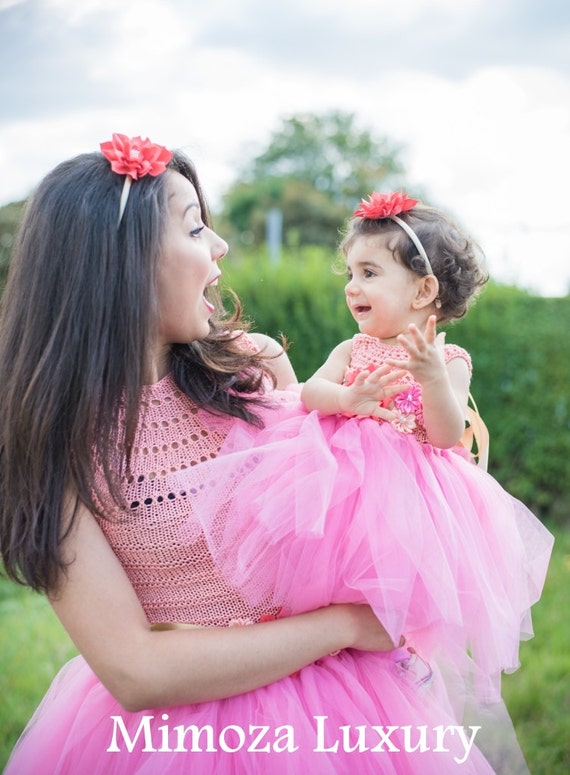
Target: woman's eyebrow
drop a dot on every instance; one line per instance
(189, 207)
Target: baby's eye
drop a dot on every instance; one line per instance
(368, 273)
(348, 274)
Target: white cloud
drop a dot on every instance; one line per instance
(392, 15)
(495, 149)
(489, 142)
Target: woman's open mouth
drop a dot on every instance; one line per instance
(208, 304)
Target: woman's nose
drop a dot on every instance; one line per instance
(219, 248)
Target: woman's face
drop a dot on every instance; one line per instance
(187, 266)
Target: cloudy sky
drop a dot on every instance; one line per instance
(477, 92)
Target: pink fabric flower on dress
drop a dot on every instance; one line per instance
(384, 205)
(135, 157)
(408, 401)
(405, 423)
(244, 622)
(269, 617)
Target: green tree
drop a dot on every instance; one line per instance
(10, 217)
(315, 169)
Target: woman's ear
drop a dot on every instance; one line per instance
(427, 291)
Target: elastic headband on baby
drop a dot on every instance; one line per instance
(134, 158)
(379, 206)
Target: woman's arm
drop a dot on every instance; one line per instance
(142, 668)
(279, 362)
(325, 392)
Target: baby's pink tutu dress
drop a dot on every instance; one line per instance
(314, 510)
(310, 511)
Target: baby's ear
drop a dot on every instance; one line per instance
(428, 289)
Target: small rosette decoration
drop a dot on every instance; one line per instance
(384, 205)
(405, 423)
(409, 400)
(135, 157)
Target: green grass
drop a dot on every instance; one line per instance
(538, 694)
(33, 645)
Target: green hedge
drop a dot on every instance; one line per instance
(517, 342)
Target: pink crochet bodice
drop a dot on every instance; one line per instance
(174, 577)
(369, 352)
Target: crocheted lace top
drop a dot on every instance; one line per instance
(174, 578)
(368, 352)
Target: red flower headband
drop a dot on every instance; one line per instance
(134, 158)
(384, 205)
(379, 206)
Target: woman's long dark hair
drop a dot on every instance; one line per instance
(77, 326)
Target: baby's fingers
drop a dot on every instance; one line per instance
(401, 367)
(385, 376)
(392, 390)
(413, 341)
(381, 413)
(430, 329)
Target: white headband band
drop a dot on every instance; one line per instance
(415, 239)
(124, 196)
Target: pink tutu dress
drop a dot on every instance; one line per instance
(314, 510)
(391, 713)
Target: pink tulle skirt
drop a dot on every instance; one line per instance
(312, 511)
(351, 713)
(315, 510)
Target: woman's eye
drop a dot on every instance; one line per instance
(195, 232)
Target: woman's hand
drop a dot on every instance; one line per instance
(368, 633)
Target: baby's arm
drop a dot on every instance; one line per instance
(325, 392)
(98, 607)
(445, 387)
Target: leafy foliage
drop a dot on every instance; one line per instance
(315, 169)
(521, 378)
(10, 217)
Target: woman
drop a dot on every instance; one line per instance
(117, 374)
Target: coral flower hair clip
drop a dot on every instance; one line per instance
(134, 158)
(384, 205)
(391, 205)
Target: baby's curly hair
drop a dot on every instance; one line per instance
(456, 259)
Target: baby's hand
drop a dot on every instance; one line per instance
(369, 388)
(427, 361)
